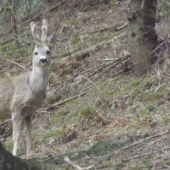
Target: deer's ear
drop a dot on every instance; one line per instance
(34, 31)
(51, 39)
(44, 29)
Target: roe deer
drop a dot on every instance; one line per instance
(22, 95)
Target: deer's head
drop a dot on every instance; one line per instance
(41, 55)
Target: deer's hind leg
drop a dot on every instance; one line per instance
(28, 127)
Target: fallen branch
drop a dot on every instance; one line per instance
(165, 3)
(92, 83)
(144, 140)
(106, 59)
(121, 27)
(5, 129)
(17, 64)
(160, 161)
(113, 27)
(86, 52)
(158, 47)
(72, 163)
(137, 156)
(116, 62)
(12, 39)
(93, 80)
(52, 8)
(67, 100)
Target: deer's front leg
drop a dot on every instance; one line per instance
(28, 127)
(16, 122)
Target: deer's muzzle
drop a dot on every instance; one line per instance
(43, 61)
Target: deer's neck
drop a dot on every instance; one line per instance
(38, 79)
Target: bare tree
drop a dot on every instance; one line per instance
(10, 162)
(141, 33)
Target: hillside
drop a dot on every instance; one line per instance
(97, 114)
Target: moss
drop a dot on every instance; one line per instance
(4, 48)
(76, 40)
(146, 112)
(59, 118)
(150, 108)
(52, 133)
(86, 111)
(107, 164)
(145, 134)
(3, 75)
(8, 145)
(123, 130)
(73, 103)
(139, 86)
(147, 164)
(115, 79)
(52, 99)
(52, 80)
(112, 4)
(160, 109)
(124, 90)
(75, 113)
(119, 165)
(108, 91)
(93, 90)
(136, 167)
(154, 124)
(54, 66)
(151, 96)
(137, 82)
(134, 94)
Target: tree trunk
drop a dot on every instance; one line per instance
(141, 34)
(10, 162)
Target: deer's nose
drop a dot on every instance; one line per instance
(43, 60)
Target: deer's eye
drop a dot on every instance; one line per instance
(48, 52)
(36, 53)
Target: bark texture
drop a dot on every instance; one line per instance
(10, 162)
(141, 33)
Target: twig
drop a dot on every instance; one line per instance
(116, 62)
(106, 59)
(17, 64)
(158, 47)
(92, 83)
(121, 27)
(165, 3)
(143, 3)
(159, 87)
(103, 29)
(12, 39)
(137, 156)
(29, 20)
(159, 161)
(149, 138)
(86, 51)
(67, 100)
(72, 163)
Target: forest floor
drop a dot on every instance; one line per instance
(98, 114)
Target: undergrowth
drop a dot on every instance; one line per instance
(106, 105)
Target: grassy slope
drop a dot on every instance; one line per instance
(121, 107)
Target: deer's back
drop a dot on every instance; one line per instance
(6, 93)
(17, 95)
